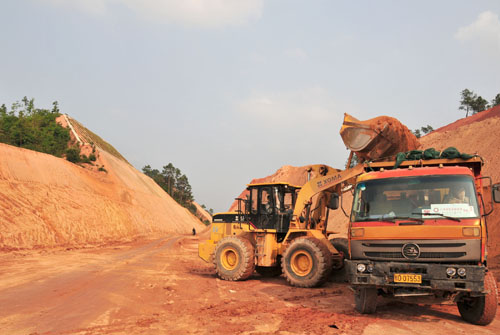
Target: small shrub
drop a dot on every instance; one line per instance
(73, 155)
(92, 157)
(85, 159)
(102, 169)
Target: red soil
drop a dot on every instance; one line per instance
(47, 201)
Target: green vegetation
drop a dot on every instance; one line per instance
(174, 183)
(423, 130)
(470, 101)
(33, 128)
(73, 155)
(210, 211)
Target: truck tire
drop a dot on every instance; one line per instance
(234, 258)
(307, 262)
(365, 299)
(481, 310)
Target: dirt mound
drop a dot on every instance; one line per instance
(47, 201)
(492, 112)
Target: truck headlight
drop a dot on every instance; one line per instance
(461, 272)
(361, 268)
(451, 272)
(369, 268)
(357, 232)
(470, 231)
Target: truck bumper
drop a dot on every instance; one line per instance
(433, 276)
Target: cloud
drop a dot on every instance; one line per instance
(311, 108)
(202, 13)
(95, 7)
(296, 54)
(485, 31)
(208, 13)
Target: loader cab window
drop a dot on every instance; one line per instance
(288, 201)
(423, 197)
(254, 196)
(266, 201)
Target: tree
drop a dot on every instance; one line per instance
(496, 101)
(479, 105)
(468, 98)
(33, 128)
(472, 102)
(423, 130)
(172, 181)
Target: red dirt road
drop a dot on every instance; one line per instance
(162, 287)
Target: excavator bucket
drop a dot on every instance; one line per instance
(376, 138)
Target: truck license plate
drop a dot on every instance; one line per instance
(407, 278)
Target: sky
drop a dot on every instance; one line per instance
(231, 90)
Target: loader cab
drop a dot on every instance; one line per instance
(271, 205)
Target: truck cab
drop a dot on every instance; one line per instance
(419, 233)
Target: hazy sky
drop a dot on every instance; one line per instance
(230, 90)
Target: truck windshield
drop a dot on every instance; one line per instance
(423, 197)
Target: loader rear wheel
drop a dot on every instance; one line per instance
(307, 262)
(234, 258)
(481, 310)
(365, 299)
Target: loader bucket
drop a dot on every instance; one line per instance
(376, 138)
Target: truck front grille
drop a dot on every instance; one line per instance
(437, 250)
(399, 255)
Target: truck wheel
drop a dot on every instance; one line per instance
(307, 262)
(234, 258)
(481, 310)
(365, 299)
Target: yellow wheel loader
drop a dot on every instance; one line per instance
(282, 229)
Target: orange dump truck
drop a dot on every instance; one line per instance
(419, 233)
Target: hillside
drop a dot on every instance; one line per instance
(47, 201)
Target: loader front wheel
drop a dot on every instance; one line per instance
(234, 258)
(481, 310)
(306, 262)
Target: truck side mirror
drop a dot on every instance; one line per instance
(334, 201)
(496, 192)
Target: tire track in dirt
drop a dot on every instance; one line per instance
(71, 298)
